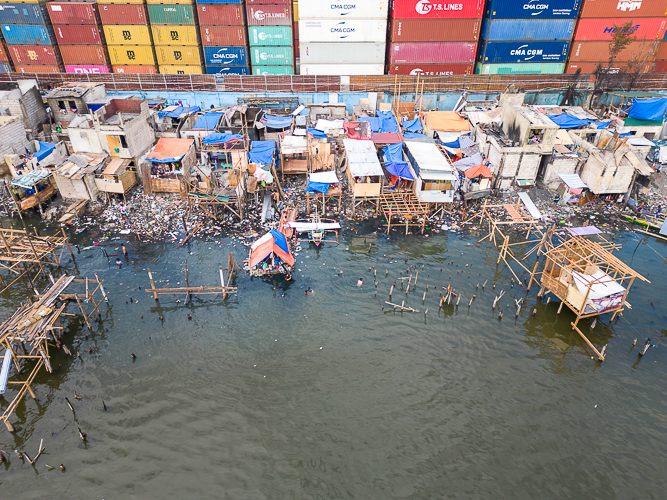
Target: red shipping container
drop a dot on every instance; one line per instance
(437, 9)
(269, 2)
(269, 15)
(660, 67)
(3, 53)
(662, 52)
(83, 54)
(624, 8)
(33, 54)
(220, 15)
(295, 31)
(434, 30)
(37, 69)
(432, 52)
(123, 14)
(72, 12)
(223, 35)
(589, 68)
(77, 35)
(593, 30)
(135, 69)
(599, 51)
(431, 69)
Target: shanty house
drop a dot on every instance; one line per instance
(364, 171)
(436, 181)
(70, 100)
(75, 177)
(168, 164)
(202, 126)
(117, 177)
(26, 102)
(170, 121)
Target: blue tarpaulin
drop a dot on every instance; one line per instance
(413, 135)
(262, 152)
(279, 238)
(319, 187)
(413, 125)
(176, 113)
(400, 170)
(648, 109)
(276, 121)
(207, 121)
(221, 138)
(45, 149)
(393, 153)
(600, 125)
(454, 144)
(375, 123)
(566, 121)
(388, 122)
(318, 134)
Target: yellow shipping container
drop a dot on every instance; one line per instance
(181, 55)
(181, 70)
(127, 34)
(139, 55)
(171, 2)
(174, 34)
(295, 9)
(121, 1)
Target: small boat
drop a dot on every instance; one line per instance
(273, 253)
(649, 221)
(316, 229)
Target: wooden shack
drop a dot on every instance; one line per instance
(169, 164)
(294, 155)
(117, 177)
(364, 171)
(75, 177)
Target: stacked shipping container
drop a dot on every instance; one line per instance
(129, 41)
(434, 37)
(600, 18)
(223, 37)
(79, 33)
(30, 39)
(270, 36)
(5, 67)
(525, 36)
(175, 36)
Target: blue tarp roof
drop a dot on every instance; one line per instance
(648, 109)
(384, 122)
(176, 113)
(276, 121)
(400, 170)
(221, 138)
(262, 152)
(454, 144)
(45, 149)
(393, 153)
(28, 180)
(413, 135)
(413, 125)
(318, 134)
(207, 121)
(566, 121)
(375, 122)
(319, 187)
(279, 239)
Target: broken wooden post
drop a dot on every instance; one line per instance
(150, 275)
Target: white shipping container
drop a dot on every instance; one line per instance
(342, 69)
(341, 9)
(350, 30)
(342, 53)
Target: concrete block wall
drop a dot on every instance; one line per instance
(14, 139)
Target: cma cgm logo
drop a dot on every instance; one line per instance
(631, 29)
(419, 71)
(344, 9)
(541, 7)
(342, 28)
(625, 6)
(425, 7)
(522, 51)
(227, 57)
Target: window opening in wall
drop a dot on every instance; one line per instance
(123, 142)
(72, 106)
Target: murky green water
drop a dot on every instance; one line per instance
(277, 394)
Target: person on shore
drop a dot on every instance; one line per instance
(125, 252)
(119, 263)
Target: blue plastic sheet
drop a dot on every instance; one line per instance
(318, 187)
(207, 121)
(470, 161)
(600, 125)
(375, 122)
(566, 121)
(400, 170)
(648, 109)
(393, 153)
(318, 134)
(45, 149)
(262, 152)
(413, 135)
(453, 145)
(413, 125)
(221, 138)
(276, 121)
(388, 122)
(179, 111)
(280, 240)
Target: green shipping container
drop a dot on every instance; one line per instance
(273, 36)
(520, 69)
(272, 56)
(171, 14)
(272, 70)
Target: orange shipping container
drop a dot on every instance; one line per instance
(588, 68)
(662, 52)
(660, 67)
(135, 69)
(37, 69)
(83, 54)
(3, 54)
(41, 55)
(599, 51)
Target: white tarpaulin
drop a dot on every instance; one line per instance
(327, 125)
(530, 205)
(313, 226)
(573, 181)
(640, 141)
(362, 158)
(663, 154)
(290, 145)
(324, 177)
(602, 284)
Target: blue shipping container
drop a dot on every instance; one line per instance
(5, 68)
(227, 70)
(523, 51)
(225, 56)
(22, 34)
(508, 30)
(23, 13)
(533, 9)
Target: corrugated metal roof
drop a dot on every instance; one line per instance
(362, 158)
(428, 156)
(116, 166)
(573, 181)
(76, 166)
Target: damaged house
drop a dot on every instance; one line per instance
(75, 177)
(72, 99)
(26, 102)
